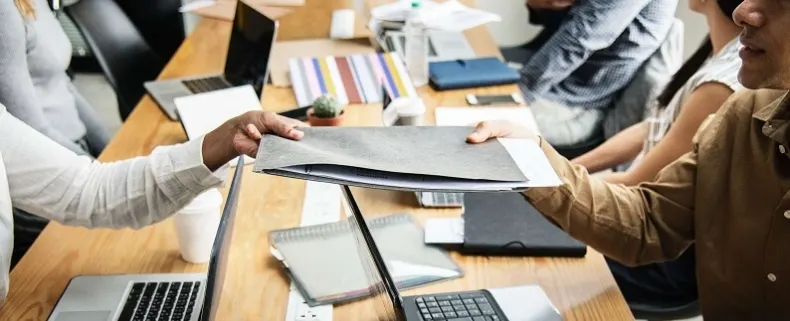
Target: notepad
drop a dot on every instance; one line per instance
(325, 265)
(201, 113)
(354, 79)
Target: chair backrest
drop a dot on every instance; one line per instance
(159, 21)
(125, 57)
(647, 84)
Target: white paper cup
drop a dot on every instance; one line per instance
(196, 226)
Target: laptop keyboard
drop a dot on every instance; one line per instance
(202, 85)
(431, 199)
(160, 301)
(472, 306)
(448, 198)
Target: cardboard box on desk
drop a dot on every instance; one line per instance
(318, 13)
(226, 9)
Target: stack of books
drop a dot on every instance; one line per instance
(355, 79)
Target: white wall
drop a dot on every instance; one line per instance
(514, 29)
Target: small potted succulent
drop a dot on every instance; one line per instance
(326, 111)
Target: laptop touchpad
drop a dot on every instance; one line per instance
(84, 316)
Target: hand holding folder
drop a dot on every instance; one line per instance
(411, 158)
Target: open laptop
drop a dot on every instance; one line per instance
(426, 199)
(525, 303)
(167, 297)
(251, 41)
(442, 45)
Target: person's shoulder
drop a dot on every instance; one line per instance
(723, 68)
(11, 20)
(735, 115)
(748, 102)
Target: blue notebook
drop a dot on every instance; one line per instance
(469, 73)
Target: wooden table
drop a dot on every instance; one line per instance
(256, 288)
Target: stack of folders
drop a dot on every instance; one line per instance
(354, 79)
(325, 265)
(408, 158)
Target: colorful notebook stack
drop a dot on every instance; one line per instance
(355, 79)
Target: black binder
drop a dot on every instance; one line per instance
(506, 224)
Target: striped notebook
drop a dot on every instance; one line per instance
(355, 79)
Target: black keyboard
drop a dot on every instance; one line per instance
(160, 301)
(471, 306)
(202, 85)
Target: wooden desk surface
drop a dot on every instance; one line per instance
(255, 288)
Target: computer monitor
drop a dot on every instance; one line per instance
(251, 41)
(218, 263)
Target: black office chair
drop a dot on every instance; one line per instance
(668, 313)
(581, 148)
(159, 21)
(125, 57)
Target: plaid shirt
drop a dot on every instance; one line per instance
(596, 51)
(721, 68)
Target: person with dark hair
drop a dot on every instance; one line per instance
(727, 198)
(589, 52)
(696, 91)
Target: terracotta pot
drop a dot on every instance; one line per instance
(324, 122)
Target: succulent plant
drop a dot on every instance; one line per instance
(326, 106)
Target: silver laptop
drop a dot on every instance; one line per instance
(251, 41)
(522, 303)
(442, 45)
(425, 199)
(167, 297)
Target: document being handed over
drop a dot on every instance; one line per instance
(411, 158)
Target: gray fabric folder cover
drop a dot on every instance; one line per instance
(421, 150)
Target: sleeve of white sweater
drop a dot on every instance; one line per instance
(17, 91)
(48, 180)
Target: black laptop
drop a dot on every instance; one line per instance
(251, 42)
(524, 303)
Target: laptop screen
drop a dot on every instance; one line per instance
(251, 41)
(219, 253)
(387, 299)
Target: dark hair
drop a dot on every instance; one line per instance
(697, 59)
(685, 72)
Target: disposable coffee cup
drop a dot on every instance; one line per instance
(196, 226)
(411, 111)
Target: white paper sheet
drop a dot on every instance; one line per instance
(444, 231)
(466, 116)
(202, 113)
(531, 160)
(402, 270)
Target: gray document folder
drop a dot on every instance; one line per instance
(411, 158)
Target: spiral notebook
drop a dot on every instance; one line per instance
(325, 264)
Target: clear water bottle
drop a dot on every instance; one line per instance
(416, 46)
